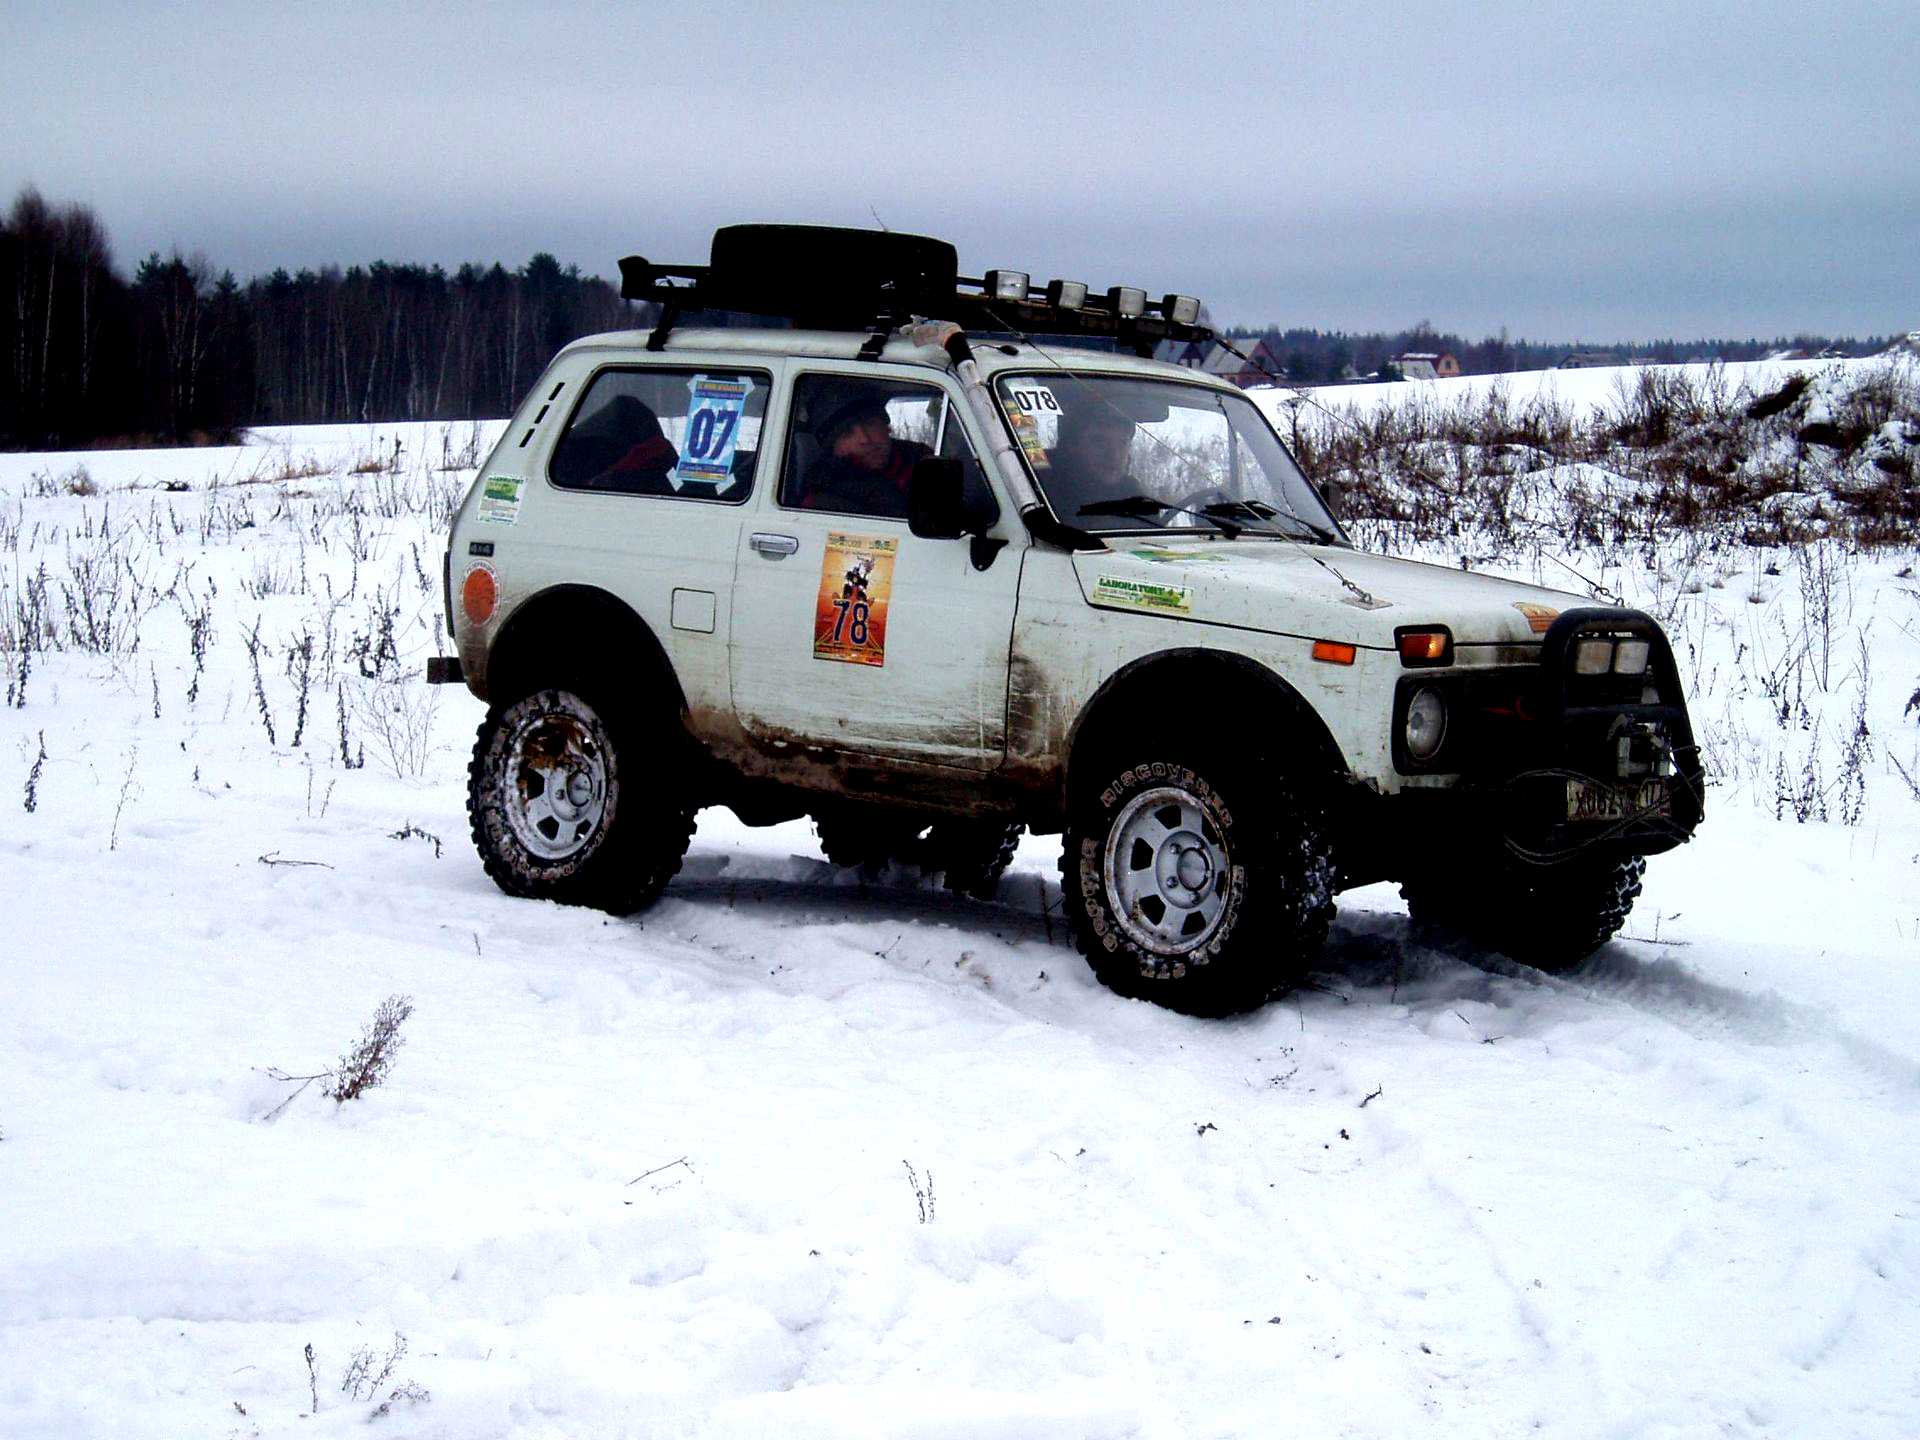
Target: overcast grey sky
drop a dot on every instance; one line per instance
(1601, 170)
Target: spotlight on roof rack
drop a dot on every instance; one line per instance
(1006, 284)
(1181, 309)
(1127, 302)
(1066, 294)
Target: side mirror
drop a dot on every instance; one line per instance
(936, 499)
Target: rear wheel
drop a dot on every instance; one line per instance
(972, 855)
(866, 838)
(567, 804)
(1202, 885)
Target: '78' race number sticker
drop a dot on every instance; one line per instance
(850, 612)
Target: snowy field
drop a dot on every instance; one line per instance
(790, 1155)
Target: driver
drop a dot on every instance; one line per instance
(1091, 456)
(863, 468)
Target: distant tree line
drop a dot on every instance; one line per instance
(1316, 357)
(180, 353)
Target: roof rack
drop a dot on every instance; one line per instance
(823, 277)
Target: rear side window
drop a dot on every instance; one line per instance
(685, 434)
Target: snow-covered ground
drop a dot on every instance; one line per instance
(792, 1155)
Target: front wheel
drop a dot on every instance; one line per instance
(562, 809)
(1548, 916)
(1203, 887)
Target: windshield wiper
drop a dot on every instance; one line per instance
(1144, 506)
(1265, 511)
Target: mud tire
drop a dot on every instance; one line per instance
(867, 840)
(971, 854)
(1548, 917)
(1567, 912)
(613, 850)
(1273, 876)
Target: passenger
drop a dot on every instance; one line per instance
(862, 468)
(621, 447)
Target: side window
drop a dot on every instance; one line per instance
(856, 440)
(689, 434)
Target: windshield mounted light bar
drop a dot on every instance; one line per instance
(1181, 309)
(1127, 301)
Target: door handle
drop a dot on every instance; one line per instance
(774, 547)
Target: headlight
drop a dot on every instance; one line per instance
(1426, 724)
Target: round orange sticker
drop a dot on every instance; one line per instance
(478, 595)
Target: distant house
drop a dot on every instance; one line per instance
(1427, 365)
(1260, 367)
(1642, 360)
(1587, 360)
(1189, 353)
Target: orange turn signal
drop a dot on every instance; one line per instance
(1424, 647)
(1333, 652)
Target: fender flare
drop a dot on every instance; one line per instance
(596, 631)
(1237, 675)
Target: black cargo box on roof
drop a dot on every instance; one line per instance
(852, 275)
(818, 275)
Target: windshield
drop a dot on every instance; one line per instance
(1116, 453)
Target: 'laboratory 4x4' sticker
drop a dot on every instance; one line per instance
(850, 614)
(1142, 594)
(500, 499)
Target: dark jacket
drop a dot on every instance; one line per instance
(835, 484)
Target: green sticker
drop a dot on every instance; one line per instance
(1142, 595)
(1173, 556)
(500, 500)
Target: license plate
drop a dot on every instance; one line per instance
(1593, 800)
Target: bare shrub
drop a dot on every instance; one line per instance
(922, 1192)
(33, 776)
(365, 1065)
(396, 724)
(463, 455)
(367, 1371)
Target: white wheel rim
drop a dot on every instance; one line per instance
(1167, 871)
(557, 771)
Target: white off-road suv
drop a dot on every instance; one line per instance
(906, 568)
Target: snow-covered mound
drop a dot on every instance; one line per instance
(795, 1155)
(1736, 454)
